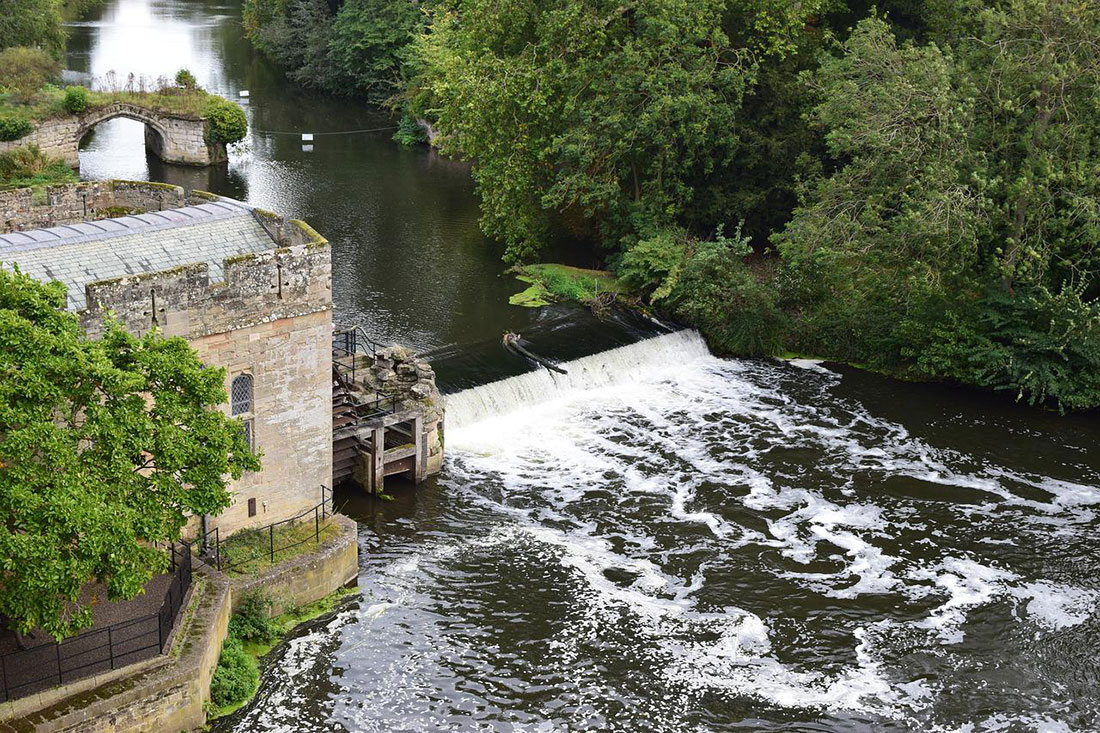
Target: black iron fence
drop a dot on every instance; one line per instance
(267, 542)
(345, 346)
(51, 664)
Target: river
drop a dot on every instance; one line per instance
(660, 539)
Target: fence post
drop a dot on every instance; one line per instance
(111, 646)
(316, 525)
(57, 648)
(4, 671)
(271, 541)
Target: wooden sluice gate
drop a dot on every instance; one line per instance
(386, 418)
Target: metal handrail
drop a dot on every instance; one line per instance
(64, 668)
(319, 511)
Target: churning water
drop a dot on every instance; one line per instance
(662, 540)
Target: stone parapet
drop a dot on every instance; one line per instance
(72, 203)
(309, 576)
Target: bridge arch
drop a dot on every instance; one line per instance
(172, 138)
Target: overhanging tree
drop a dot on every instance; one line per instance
(106, 447)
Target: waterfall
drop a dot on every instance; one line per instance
(622, 364)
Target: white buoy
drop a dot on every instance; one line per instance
(307, 148)
(307, 137)
(243, 94)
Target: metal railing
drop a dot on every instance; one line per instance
(346, 345)
(259, 543)
(48, 665)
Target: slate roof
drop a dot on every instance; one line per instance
(78, 254)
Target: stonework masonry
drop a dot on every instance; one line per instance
(172, 138)
(271, 318)
(74, 203)
(169, 692)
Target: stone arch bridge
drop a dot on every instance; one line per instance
(174, 138)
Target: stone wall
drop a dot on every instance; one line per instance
(172, 138)
(398, 371)
(167, 697)
(271, 318)
(309, 577)
(73, 203)
(169, 692)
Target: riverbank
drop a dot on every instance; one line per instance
(282, 627)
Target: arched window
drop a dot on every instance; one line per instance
(240, 404)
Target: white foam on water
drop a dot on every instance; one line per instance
(616, 366)
(1057, 606)
(660, 418)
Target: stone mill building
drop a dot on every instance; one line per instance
(252, 292)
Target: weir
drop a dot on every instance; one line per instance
(607, 368)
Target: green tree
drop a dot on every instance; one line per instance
(35, 23)
(369, 47)
(106, 447)
(588, 108)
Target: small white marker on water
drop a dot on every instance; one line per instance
(307, 137)
(307, 148)
(243, 94)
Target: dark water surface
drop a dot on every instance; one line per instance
(659, 540)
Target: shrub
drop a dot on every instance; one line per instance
(409, 132)
(23, 71)
(226, 122)
(737, 312)
(252, 621)
(13, 127)
(236, 676)
(186, 80)
(76, 99)
(29, 166)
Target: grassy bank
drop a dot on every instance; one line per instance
(30, 168)
(550, 283)
(249, 551)
(251, 639)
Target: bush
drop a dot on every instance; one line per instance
(13, 127)
(186, 80)
(76, 99)
(737, 312)
(409, 132)
(226, 122)
(29, 166)
(23, 71)
(252, 621)
(236, 676)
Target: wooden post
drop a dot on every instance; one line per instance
(378, 460)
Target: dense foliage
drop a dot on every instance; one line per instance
(106, 448)
(361, 49)
(236, 676)
(76, 99)
(33, 23)
(23, 71)
(226, 122)
(915, 186)
(252, 619)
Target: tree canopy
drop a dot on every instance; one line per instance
(33, 23)
(106, 448)
(914, 183)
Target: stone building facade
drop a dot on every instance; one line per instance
(249, 290)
